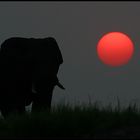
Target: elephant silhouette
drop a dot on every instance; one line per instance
(28, 64)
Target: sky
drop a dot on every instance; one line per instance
(77, 28)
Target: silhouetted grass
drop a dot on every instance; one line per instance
(79, 121)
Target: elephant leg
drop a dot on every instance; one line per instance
(6, 111)
(41, 103)
(21, 110)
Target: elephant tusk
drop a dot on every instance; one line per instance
(60, 85)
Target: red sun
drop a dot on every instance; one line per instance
(115, 49)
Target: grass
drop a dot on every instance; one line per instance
(79, 121)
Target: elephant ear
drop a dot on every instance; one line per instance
(52, 43)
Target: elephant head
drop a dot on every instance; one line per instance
(28, 63)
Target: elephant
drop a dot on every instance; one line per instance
(29, 68)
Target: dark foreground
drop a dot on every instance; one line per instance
(78, 122)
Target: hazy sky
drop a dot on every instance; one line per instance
(77, 27)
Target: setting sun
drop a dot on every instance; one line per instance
(115, 49)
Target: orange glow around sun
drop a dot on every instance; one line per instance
(115, 49)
